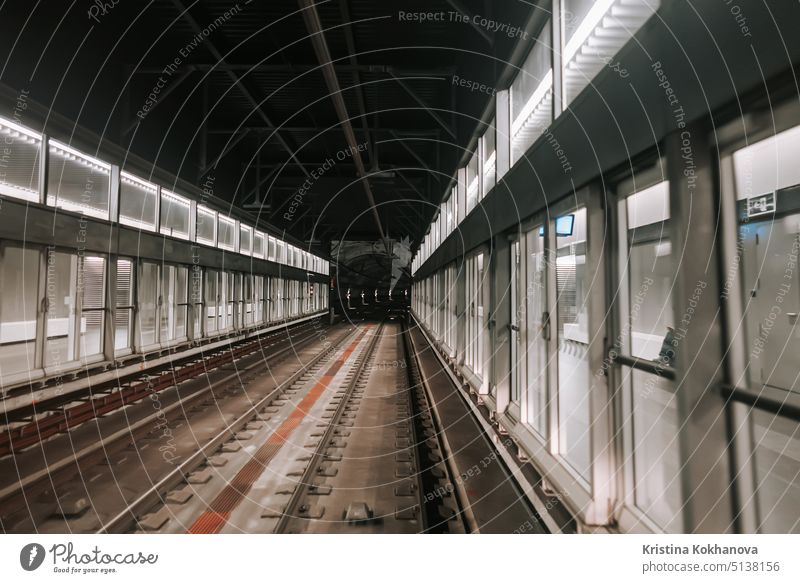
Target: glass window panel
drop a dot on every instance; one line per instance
(222, 304)
(167, 301)
(91, 284)
(62, 270)
(206, 226)
(175, 211)
(226, 234)
(77, 182)
(19, 161)
(259, 245)
(148, 304)
(473, 183)
(272, 249)
(656, 460)
(532, 96)
(647, 332)
(229, 289)
(211, 294)
(122, 329)
(776, 460)
(124, 283)
(247, 299)
(123, 315)
(181, 301)
(572, 283)
(768, 165)
(594, 31)
(651, 275)
(489, 149)
(19, 290)
(245, 240)
(196, 299)
(259, 298)
(536, 357)
(767, 248)
(137, 202)
(91, 280)
(238, 300)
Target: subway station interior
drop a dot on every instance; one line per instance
(441, 266)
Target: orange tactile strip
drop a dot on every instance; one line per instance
(219, 511)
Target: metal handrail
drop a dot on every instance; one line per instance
(650, 366)
(762, 402)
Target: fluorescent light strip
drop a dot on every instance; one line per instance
(4, 122)
(530, 106)
(68, 152)
(489, 163)
(175, 198)
(136, 181)
(207, 211)
(64, 150)
(586, 27)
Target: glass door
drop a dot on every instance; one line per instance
(762, 290)
(573, 281)
(537, 332)
(518, 309)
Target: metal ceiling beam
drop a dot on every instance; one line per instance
(351, 49)
(405, 179)
(241, 129)
(226, 150)
(419, 100)
(295, 68)
(466, 12)
(236, 80)
(314, 26)
(161, 97)
(416, 156)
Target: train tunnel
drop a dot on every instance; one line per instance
(453, 267)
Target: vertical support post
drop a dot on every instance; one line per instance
(703, 433)
(109, 332)
(461, 192)
(193, 223)
(158, 208)
(503, 134)
(461, 311)
(136, 342)
(600, 400)
(557, 24)
(499, 308)
(551, 337)
(43, 307)
(113, 195)
(44, 158)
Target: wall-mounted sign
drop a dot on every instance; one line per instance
(761, 205)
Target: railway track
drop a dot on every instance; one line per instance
(30, 425)
(59, 475)
(350, 447)
(349, 442)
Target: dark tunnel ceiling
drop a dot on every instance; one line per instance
(249, 105)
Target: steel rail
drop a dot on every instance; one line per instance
(155, 495)
(290, 512)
